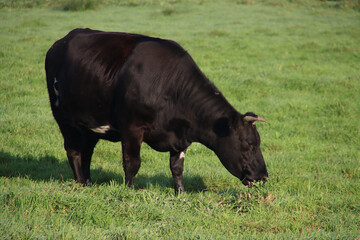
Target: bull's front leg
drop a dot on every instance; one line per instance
(131, 146)
(177, 168)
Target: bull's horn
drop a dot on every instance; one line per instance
(260, 119)
(253, 119)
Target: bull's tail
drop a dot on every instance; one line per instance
(52, 81)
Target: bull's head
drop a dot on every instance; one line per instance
(238, 147)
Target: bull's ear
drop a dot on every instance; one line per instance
(252, 118)
(222, 127)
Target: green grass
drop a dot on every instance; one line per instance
(295, 64)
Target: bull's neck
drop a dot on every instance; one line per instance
(198, 101)
(207, 106)
(203, 130)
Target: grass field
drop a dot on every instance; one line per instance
(296, 65)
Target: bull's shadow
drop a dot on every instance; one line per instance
(49, 168)
(44, 168)
(191, 184)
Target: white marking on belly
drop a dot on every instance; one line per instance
(101, 129)
(182, 155)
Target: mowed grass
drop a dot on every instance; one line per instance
(297, 66)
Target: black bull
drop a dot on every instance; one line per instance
(133, 88)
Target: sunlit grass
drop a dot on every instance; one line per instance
(296, 65)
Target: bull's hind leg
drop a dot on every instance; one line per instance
(79, 149)
(177, 167)
(131, 144)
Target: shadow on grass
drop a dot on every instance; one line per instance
(49, 168)
(192, 184)
(45, 168)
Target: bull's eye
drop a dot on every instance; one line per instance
(251, 147)
(245, 146)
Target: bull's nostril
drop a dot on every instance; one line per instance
(264, 178)
(266, 175)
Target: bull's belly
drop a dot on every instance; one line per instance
(165, 141)
(96, 122)
(100, 129)
(106, 132)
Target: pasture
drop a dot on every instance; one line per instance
(294, 63)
